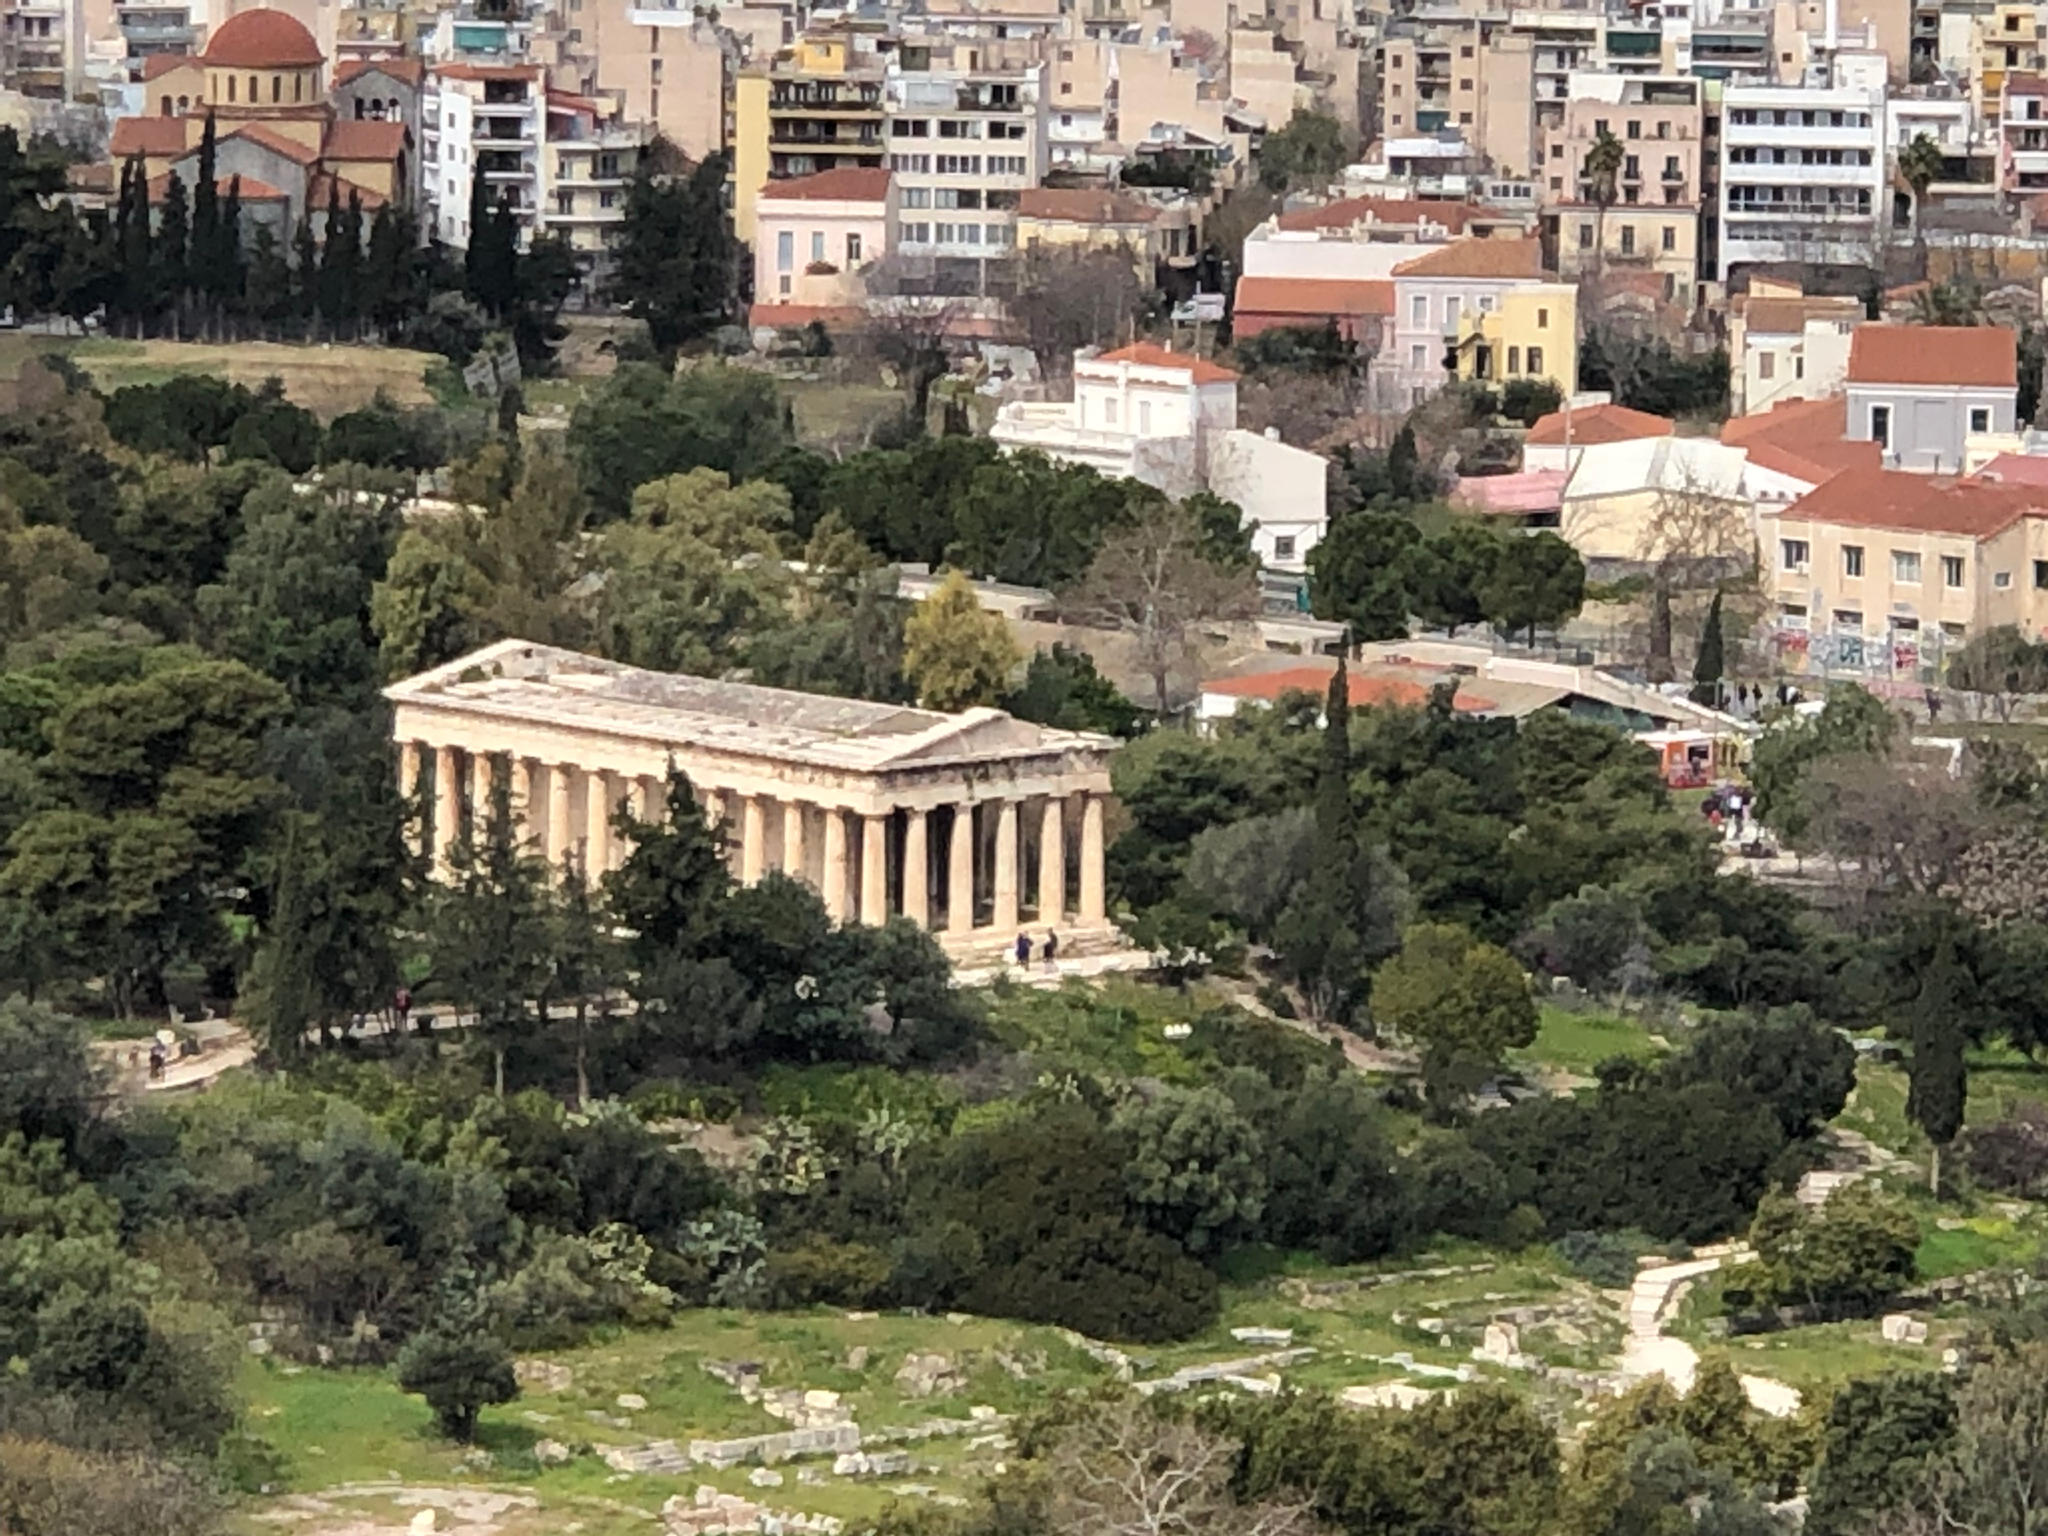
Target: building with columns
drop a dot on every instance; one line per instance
(973, 824)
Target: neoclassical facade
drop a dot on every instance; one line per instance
(971, 824)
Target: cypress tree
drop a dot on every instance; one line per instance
(305, 271)
(136, 275)
(474, 255)
(228, 243)
(206, 252)
(1321, 948)
(1938, 1082)
(384, 273)
(1712, 663)
(173, 246)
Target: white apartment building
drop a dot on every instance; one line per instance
(1169, 419)
(1804, 170)
(965, 137)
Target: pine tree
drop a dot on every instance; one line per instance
(1938, 1083)
(1712, 663)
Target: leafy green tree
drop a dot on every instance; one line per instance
(1359, 574)
(956, 654)
(644, 424)
(1063, 689)
(1788, 1059)
(459, 1374)
(1463, 1001)
(1852, 722)
(1332, 1182)
(1937, 1076)
(1851, 1253)
(50, 1088)
(1877, 1439)
(1197, 1168)
(1448, 572)
(1541, 585)
(676, 262)
(1307, 147)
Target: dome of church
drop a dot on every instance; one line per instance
(262, 39)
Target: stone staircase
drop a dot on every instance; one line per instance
(1084, 951)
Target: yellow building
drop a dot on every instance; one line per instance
(1531, 333)
(2009, 42)
(817, 107)
(1167, 230)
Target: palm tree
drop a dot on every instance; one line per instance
(1920, 165)
(1603, 174)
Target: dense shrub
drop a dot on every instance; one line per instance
(2010, 1155)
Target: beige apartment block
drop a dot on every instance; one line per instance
(2007, 41)
(669, 68)
(966, 824)
(1468, 74)
(1155, 86)
(1887, 559)
(1263, 76)
(1653, 223)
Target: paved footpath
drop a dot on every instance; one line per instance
(1649, 1351)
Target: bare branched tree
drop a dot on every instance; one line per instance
(1072, 296)
(1124, 1471)
(1697, 534)
(1907, 827)
(1158, 581)
(909, 322)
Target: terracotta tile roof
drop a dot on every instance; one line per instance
(2015, 469)
(263, 39)
(795, 316)
(160, 64)
(1910, 503)
(279, 143)
(153, 136)
(347, 140)
(2026, 84)
(1478, 258)
(1381, 210)
(368, 198)
(253, 190)
(408, 70)
(1366, 689)
(1314, 297)
(1598, 424)
(850, 184)
(1083, 205)
(1806, 439)
(1978, 355)
(1147, 354)
(1788, 317)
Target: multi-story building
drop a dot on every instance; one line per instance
(1784, 344)
(966, 136)
(816, 236)
(1434, 293)
(2008, 41)
(1804, 170)
(2023, 134)
(1445, 72)
(1653, 221)
(664, 65)
(1531, 333)
(487, 120)
(1921, 391)
(587, 161)
(818, 106)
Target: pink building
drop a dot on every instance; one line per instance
(815, 235)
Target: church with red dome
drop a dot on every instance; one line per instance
(293, 136)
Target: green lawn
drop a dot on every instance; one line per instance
(1568, 1041)
(1822, 1357)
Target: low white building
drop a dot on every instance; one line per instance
(1145, 412)
(1784, 344)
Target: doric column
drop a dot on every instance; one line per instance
(559, 836)
(960, 872)
(794, 853)
(1006, 865)
(916, 870)
(874, 870)
(835, 864)
(1093, 908)
(653, 800)
(409, 755)
(1052, 864)
(597, 824)
(529, 805)
(754, 839)
(482, 770)
(447, 809)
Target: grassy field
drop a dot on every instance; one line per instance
(326, 380)
(1822, 1357)
(1568, 1041)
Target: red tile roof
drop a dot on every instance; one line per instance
(369, 199)
(263, 39)
(252, 190)
(849, 184)
(1478, 258)
(280, 143)
(1895, 499)
(1381, 210)
(152, 136)
(1608, 423)
(1806, 439)
(1366, 689)
(159, 64)
(347, 140)
(407, 70)
(1313, 298)
(1083, 205)
(1942, 355)
(1145, 354)
(795, 316)
(2015, 469)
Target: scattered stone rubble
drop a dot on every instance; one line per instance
(1230, 1371)
(929, 1375)
(1902, 1328)
(708, 1512)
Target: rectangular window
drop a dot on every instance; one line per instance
(1793, 554)
(1905, 567)
(1670, 237)
(2041, 575)
(1418, 356)
(1109, 410)
(1951, 570)
(1881, 425)
(1535, 360)
(1980, 418)
(1514, 359)
(853, 250)
(785, 250)
(1418, 309)
(1585, 237)
(817, 245)
(1852, 559)
(1767, 365)
(1145, 417)
(1283, 546)
(1848, 621)
(1628, 239)
(2001, 581)
(1542, 319)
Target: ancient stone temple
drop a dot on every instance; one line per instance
(973, 824)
